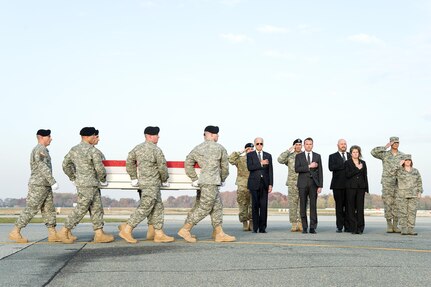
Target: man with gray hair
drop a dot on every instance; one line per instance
(390, 160)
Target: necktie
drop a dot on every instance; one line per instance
(344, 157)
(259, 155)
(308, 158)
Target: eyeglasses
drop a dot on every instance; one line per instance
(258, 143)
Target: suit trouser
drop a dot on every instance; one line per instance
(341, 208)
(259, 202)
(305, 193)
(355, 208)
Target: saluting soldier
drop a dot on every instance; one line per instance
(390, 160)
(243, 197)
(40, 187)
(146, 165)
(213, 160)
(288, 158)
(83, 165)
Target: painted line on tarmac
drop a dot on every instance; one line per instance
(323, 245)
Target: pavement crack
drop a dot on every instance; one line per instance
(64, 265)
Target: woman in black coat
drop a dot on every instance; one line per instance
(356, 187)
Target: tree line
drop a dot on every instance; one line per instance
(275, 200)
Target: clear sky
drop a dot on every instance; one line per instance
(358, 70)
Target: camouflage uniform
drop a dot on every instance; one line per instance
(243, 194)
(389, 180)
(147, 163)
(409, 186)
(213, 161)
(39, 189)
(288, 158)
(83, 165)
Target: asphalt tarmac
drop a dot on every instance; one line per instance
(277, 258)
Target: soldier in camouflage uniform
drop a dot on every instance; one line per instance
(390, 160)
(40, 187)
(409, 192)
(213, 161)
(147, 168)
(83, 165)
(243, 197)
(288, 158)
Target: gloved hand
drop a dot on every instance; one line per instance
(134, 182)
(195, 183)
(222, 183)
(54, 186)
(166, 184)
(104, 183)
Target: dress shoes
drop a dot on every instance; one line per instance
(304, 231)
(339, 230)
(262, 231)
(313, 231)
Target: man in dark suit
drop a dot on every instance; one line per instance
(260, 182)
(338, 184)
(308, 165)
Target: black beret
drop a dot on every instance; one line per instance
(43, 133)
(87, 131)
(152, 131)
(97, 132)
(212, 129)
(297, 141)
(248, 145)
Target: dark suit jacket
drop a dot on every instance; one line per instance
(256, 169)
(336, 165)
(356, 178)
(301, 167)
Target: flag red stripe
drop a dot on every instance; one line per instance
(170, 164)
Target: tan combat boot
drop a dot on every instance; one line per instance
(63, 235)
(389, 228)
(294, 227)
(221, 236)
(15, 235)
(71, 236)
(299, 226)
(161, 237)
(245, 225)
(395, 226)
(404, 231)
(150, 232)
(102, 237)
(52, 235)
(126, 233)
(410, 231)
(184, 232)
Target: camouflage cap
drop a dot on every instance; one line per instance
(394, 139)
(406, 157)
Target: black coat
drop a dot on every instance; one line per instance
(356, 178)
